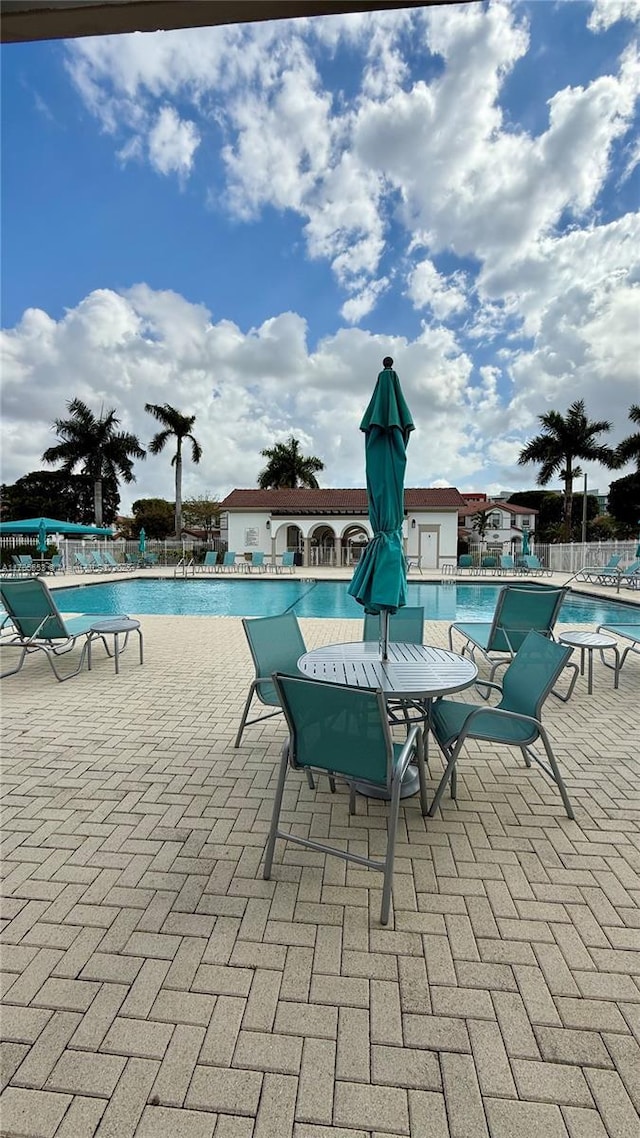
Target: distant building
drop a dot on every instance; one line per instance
(331, 527)
(505, 527)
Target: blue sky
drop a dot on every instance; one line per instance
(243, 221)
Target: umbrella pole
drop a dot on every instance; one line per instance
(384, 633)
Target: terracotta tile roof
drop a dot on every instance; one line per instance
(352, 500)
(486, 507)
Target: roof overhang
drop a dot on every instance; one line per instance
(24, 20)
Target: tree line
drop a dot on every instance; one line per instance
(94, 456)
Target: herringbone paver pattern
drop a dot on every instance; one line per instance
(154, 985)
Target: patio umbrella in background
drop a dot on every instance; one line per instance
(638, 549)
(525, 543)
(70, 529)
(42, 536)
(142, 541)
(379, 582)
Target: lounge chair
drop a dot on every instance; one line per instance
(593, 572)
(209, 564)
(39, 626)
(23, 564)
(257, 563)
(148, 560)
(228, 562)
(276, 645)
(520, 607)
(287, 562)
(343, 730)
(111, 563)
(531, 563)
(625, 632)
(489, 562)
(82, 564)
(132, 560)
(515, 721)
(414, 563)
(55, 565)
(507, 564)
(630, 575)
(465, 561)
(100, 562)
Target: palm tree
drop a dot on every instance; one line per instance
(287, 467)
(94, 444)
(176, 426)
(480, 523)
(563, 439)
(629, 448)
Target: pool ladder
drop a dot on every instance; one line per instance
(183, 566)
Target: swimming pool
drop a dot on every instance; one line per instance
(305, 597)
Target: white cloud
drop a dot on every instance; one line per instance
(608, 12)
(428, 288)
(172, 143)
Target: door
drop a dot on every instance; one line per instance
(429, 546)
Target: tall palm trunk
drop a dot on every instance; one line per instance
(97, 500)
(179, 490)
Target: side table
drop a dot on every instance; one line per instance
(114, 627)
(591, 642)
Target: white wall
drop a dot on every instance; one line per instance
(447, 520)
(248, 532)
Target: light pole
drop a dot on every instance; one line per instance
(584, 512)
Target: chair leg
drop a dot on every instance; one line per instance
(275, 817)
(422, 773)
(352, 798)
(245, 714)
(392, 829)
(556, 773)
(449, 773)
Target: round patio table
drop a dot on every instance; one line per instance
(412, 672)
(115, 627)
(591, 642)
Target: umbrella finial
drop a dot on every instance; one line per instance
(387, 362)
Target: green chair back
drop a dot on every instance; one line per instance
(532, 673)
(33, 609)
(110, 560)
(406, 626)
(520, 608)
(336, 728)
(276, 645)
(489, 562)
(287, 559)
(257, 559)
(632, 569)
(506, 561)
(210, 558)
(465, 561)
(229, 558)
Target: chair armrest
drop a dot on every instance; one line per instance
(404, 758)
(502, 712)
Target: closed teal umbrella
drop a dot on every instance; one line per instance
(379, 582)
(42, 537)
(525, 543)
(142, 541)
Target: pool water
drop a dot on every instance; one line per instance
(305, 598)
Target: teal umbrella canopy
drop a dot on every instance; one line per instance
(379, 582)
(70, 529)
(525, 543)
(42, 537)
(142, 541)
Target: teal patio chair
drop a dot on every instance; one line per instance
(111, 563)
(210, 562)
(100, 561)
(514, 722)
(531, 563)
(287, 562)
(257, 562)
(414, 563)
(39, 626)
(55, 564)
(624, 632)
(334, 729)
(520, 607)
(465, 561)
(630, 575)
(593, 572)
(406, 626)
(276, 645)
(489, 562)
(506, 564)
(23, 563)
(228, 561)
(81, 564)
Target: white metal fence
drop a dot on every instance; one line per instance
(168, 552)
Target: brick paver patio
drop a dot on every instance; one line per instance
(154, 985)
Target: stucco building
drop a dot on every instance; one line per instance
(331, 527)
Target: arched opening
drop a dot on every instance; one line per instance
(323, 546)
(353, 542)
